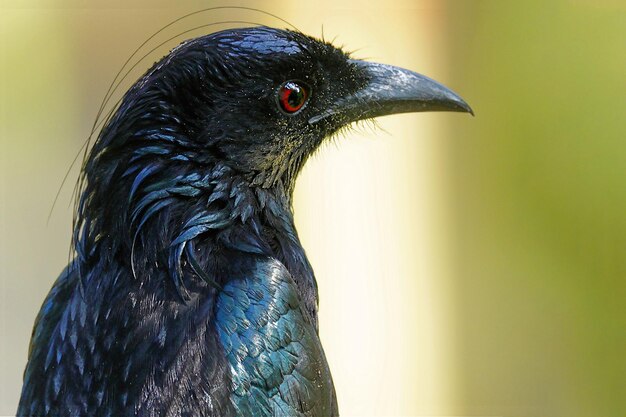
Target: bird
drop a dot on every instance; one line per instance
(189, 293)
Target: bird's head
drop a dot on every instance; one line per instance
(261, 100)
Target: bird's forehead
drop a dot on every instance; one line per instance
(261, 42)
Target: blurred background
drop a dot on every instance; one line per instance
(467, 266)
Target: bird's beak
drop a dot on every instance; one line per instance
(392, 90)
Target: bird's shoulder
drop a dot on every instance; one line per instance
(46, 324)
(52, 308)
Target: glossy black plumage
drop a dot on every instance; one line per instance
(190, 293)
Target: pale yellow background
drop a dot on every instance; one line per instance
(467, 266)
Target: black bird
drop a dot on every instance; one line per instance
(190, 294)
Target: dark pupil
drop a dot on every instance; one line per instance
(296, 95)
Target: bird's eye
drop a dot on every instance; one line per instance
(292, 96)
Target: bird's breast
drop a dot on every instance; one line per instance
(276, 360)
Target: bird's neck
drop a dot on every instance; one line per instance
(281, 234)
(176, 227)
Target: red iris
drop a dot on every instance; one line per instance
(292, 96)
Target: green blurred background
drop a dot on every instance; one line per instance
(492, 250)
